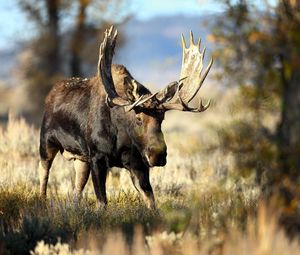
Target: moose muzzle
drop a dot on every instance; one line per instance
(156, 155)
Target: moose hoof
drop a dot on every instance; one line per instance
(101, 205)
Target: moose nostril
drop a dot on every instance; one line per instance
(162, 161)
(156, 156)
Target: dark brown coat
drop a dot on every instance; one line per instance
(79, 123)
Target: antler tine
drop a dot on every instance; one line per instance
(191, 38)
(198, 43)
(204, 107)
(184, 107)
(203, 52)
(183, 42)
(201, 107)
(128, 108)
(111, 29)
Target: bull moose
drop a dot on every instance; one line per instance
(112, 120)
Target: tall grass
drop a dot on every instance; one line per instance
(25, 219)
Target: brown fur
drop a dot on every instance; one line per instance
(79, 123)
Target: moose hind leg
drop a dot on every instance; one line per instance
(142, 184)
(47, 154)
(82, 171)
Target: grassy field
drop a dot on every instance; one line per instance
(203, 205)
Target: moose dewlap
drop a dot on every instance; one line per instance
(112, 120)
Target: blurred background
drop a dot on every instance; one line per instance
(233, 171)
(254, 120)
(44, 41)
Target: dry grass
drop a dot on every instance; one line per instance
(203, 208)
(262, 237)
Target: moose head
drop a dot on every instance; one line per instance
(143, 110)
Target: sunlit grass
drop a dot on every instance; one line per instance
(25, 219)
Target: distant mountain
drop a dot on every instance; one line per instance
(152, 50)
(8, 59)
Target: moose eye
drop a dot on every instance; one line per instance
(139, 121)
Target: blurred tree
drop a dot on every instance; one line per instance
(259, 50)
(64, 43)
(40, 62)
(77, 40)
(288, 46)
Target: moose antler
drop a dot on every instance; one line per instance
(189, 83)
(192, 64)
(106, 53)
(191, 76)
(183, 91)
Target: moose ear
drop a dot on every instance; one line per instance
(131, 89)
(168, 93)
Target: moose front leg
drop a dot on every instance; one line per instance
(141, 182)
(139, 173)
(99, 171)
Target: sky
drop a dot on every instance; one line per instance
(13, 25)
(151, 8)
